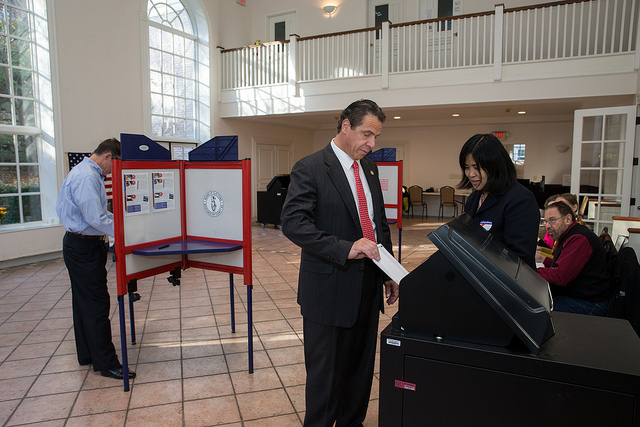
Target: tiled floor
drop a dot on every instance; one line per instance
(192, 370)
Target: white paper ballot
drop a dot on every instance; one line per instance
(390, 265)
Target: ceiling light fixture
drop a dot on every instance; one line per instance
(455, 115)
(397, 117)
(329, 9)
(522, 112)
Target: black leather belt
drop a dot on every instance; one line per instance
(85, 236)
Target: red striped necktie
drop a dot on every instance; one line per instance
(365, 221)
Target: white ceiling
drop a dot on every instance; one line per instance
(496, 113)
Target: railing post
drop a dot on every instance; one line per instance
(293, 64)
(498, 30)
(384, 57)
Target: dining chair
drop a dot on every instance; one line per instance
(415, 199)
(447, 199)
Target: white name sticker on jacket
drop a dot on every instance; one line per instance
(486, 225)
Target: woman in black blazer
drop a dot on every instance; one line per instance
(500, 204)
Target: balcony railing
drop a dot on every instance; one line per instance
(561, 30)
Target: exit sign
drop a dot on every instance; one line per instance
(499, 134)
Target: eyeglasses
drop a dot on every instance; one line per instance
(551, 221)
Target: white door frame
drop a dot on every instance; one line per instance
(625, 166)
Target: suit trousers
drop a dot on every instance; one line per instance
(340, 362)
(85, 261)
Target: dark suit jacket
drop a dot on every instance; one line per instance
(514, 216)
(321, 216)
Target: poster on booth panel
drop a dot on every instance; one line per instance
(163, 191)
(136, 191)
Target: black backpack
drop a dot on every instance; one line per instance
(625, 283)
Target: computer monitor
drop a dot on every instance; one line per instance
(476, 290)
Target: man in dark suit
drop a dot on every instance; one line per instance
(331, 205)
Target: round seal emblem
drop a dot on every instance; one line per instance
(213, 203)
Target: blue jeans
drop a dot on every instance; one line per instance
(574, 305)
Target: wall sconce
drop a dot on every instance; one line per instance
(562, 148)
(329, 9)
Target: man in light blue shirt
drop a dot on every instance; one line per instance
(82, 209)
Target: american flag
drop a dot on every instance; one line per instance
(75, 158)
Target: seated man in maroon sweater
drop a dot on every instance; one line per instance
(577, 273)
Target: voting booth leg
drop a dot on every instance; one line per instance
(250, 327)
(123, 343)
(399, 244)
(232, 304)
(132, 319)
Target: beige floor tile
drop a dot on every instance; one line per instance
(58, 383)
(213, 411)
(206, 387)
(101, 400)
(6, 409)
(65, 363)
(158, 353)
(272, 327)
(286, 355)
(157, 393)
(208, 333)
(198, 322)
(166, 415)
(110, 419)
(203, 366)
(260, 379)
(296, 395)
(262, 404)
(201, 348)
(239, 362)
(286, 339)
(15, 388)
(43, 408)
(291, 420)
(292, 375)
(22, 368)
(158, 371)
(29, 351)
(268, 314)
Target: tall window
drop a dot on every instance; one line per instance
(25, 97)
(177, 75)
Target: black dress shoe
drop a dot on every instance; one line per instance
(84, 362)
(116, 373)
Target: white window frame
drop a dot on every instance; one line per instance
(43, 127)
(201, 78)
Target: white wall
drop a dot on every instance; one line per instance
(432, 153)
(246, 24)
(99, 94)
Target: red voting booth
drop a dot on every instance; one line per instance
(390, 173)
(170, 215)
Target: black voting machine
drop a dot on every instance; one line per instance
(270, 202)
(475, 342)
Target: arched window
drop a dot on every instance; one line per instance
(27, 179)
(178, 71)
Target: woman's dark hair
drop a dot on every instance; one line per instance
(571, 198)
(563, 208)
(357, 111)
(490, 155)
(552, 198)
